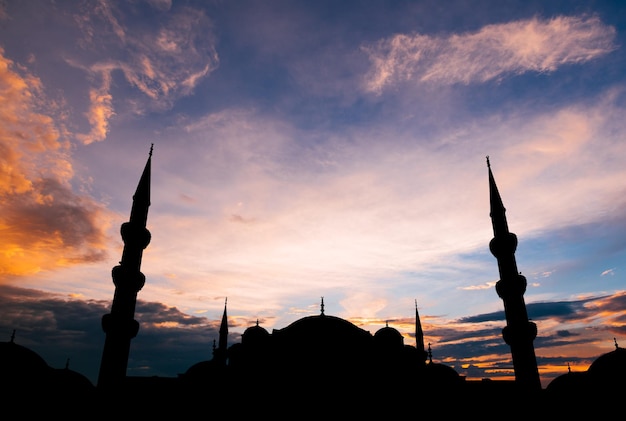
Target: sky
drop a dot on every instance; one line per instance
(313, 149)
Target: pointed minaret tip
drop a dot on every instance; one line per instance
(151, 148)
(419, 333)
(488, 163)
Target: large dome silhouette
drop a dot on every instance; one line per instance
(25, 377)
(323, 329)
(17, 359)
(610, 366)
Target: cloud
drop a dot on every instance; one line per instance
(355, 208)
(58, 327)
(157, 313)
(99, 113)
(615, 303)
(486, 285)
(493, 52)
(563, 310)
(44, 224)
(163, 59)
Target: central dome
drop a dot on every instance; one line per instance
(323, 329)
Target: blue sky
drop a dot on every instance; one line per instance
(313, 149)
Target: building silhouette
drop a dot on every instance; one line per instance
(317, 366)
(519, 333)
(119, 325)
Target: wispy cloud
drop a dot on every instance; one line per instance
(99, 113)
(486, 285)
(164, 59)
(494, 51)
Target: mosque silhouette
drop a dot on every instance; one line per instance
(318, 366)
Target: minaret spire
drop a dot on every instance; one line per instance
(119, 325)
(419, 338)
(222, 345)
(519, 333)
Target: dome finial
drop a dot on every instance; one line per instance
(151, 148)
(13, 336)
(322, 307)
(569, 369)
(616, 345)
(430, 354)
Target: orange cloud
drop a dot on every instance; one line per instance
(99, 114)
(44, 224)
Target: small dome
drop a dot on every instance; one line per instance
(254, 335)
(71, 383)
(572, 382)
(389, 337)
(440, 375)
(201, 371)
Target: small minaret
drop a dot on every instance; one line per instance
(220, 353)
(119, 325)
(519, 333)
(422, 355)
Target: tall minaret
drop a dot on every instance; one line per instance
(519, 333)
(419, 339)
(220, 354)
(119, 325)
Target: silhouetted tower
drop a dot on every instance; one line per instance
(220, 354)
(119, 325)
(519, 333)
(419, 339)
